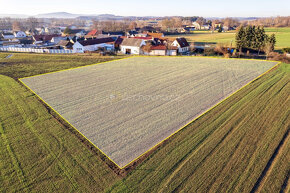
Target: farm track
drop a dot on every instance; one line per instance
(271, 163)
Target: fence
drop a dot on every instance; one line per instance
(49, 51)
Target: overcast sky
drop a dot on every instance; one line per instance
(206, 8)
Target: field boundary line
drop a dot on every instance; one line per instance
(159, 143)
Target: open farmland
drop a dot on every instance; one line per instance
(126, 107)
(282, 36)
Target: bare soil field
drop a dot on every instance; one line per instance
(128, 106)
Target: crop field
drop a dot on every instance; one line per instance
(282, 37)
(126, 107)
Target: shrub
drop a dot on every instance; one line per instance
(286, 50)
(279, 57)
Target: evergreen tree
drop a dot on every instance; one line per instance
(249, 36)
(67, 30)
(240, 38)
(260, 39)
(272, 41)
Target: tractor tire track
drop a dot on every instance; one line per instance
(271, 163)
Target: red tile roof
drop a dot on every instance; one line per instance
(93, 32)
(158, 47)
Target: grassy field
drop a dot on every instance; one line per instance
(22, 65)
(232, 148)
(282, 36)
(227, 149)
(157, 96)
(38, 154)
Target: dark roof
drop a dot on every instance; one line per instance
(7, 33)
(96, 41)
(118, 41)
(132, 42)
(44, 38)
(74, 31)
(132, 32)
(121, 33)
(182, 42)
(26, 41)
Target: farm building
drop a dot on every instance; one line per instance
(162, 50)
(93, 45)
(132, 46)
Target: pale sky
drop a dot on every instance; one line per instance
(205, 8)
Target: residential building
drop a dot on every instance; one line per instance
(19, 34)
(182, 45)
(65, 44)
(93, 45)
(132, 46)
(7, 35)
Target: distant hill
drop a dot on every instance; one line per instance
(57, 15)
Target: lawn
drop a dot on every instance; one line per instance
(38, 154)
(282, 37)
(227, 149)
(156, 97)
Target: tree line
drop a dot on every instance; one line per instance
(254, 37)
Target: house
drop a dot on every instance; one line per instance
(52, 30)
(19, 34)
(13, 43)
(132, 46)
(188, 29)
(57, 39)
(205, 27)
(65, 44)
(132, 33)
(158, 50)
(39, 39)
(7, 35)
(93, 45)
(196, 25)
(114, 33)
(75, 32)
(182, 45)
(162, 50)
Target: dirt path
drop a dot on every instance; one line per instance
(271, 163)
